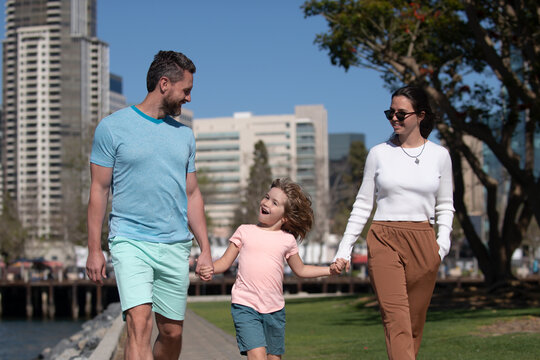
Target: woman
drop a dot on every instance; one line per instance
(410, 179)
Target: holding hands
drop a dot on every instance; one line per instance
(205, 262)
(206, 272)
(337, 266)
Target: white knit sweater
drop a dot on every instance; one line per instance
(404, 191)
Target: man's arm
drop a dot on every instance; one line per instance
(197, 222)
(97, 206)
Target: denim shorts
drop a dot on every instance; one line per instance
(152, 273)
(254, 329)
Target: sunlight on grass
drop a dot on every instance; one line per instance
(344, 328)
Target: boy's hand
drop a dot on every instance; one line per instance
(337, 266)
(334, 269)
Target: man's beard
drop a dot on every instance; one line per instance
(172, 108)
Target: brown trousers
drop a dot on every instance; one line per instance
(403, 261)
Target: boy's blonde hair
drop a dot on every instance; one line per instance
(298, 212)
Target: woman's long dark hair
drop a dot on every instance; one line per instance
(420, 102)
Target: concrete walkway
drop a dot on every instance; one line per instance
(201, 341)
(204, 341)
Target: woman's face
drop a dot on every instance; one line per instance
(411, 121)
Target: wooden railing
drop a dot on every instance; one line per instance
(83, 298)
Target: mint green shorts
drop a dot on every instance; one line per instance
(152, 273)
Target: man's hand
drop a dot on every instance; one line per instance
(205, 262)
(96, 267)
(206, 271)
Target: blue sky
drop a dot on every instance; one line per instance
(251, 55)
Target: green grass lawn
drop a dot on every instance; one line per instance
(343, 328)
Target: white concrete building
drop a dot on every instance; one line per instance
(55, 90)
(297, 147)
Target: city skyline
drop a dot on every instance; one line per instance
(256, 57)
(56, 90)
(57, 80)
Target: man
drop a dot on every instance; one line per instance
(147, 160)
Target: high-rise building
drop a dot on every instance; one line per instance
(55, 90)
(340, 143)
(474, 190)
(1, 165)
(117, 99)
(297, 147)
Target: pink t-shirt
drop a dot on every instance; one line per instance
(259, 281)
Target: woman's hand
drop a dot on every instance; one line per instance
(337, 266)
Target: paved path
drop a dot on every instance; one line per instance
(204, 341)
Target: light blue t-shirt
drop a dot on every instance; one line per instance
(150, 160)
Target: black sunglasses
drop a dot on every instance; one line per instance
(400, 115)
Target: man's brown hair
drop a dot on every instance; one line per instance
(171, 64)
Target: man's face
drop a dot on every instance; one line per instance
(178, 94)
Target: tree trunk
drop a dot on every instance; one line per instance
(495, 259)
(475, 242)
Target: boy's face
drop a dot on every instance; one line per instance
(272, 209)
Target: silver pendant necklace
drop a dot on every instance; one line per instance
(416, 160)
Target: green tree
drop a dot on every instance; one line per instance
(12, 233)
(71, 223)
(260, 179)
(208, 188)
(448, 48)
(345, 185)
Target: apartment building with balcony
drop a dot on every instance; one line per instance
(297, 147)
(55, 91)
